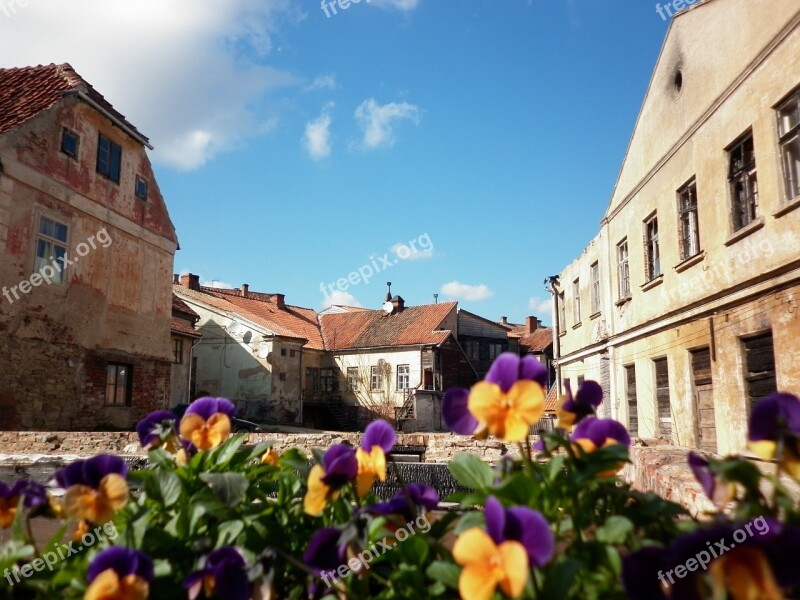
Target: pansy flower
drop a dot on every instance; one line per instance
(9, 501)
(592, 434)
(339, 467)
(505, 404)
(119, 574)
(774, 423)
(407, 501)
(223, 575)
(520, 524)
(379, 437)
(323, 557)
(572, 410)
(185, 452)
(487, 565)
(207, 422)
(270, 457)
(153, 425)
(95, 488)
(719, 491)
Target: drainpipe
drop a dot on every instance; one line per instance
(189, 382)
(551, 285)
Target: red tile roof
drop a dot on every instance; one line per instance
(180, 306)
(537, 341)
(181, 326)
(183, 318)
(27, 91)
(551, 402)
(415, 325)
(289, 321)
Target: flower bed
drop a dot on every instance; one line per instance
(213, 518)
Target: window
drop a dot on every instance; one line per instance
(352, 378)
(743, 182)
(576, 301)
(51, 247)
(652, 254)
(789, 132)
(562, 311)
(595, 288)
(69, 143)
(662, 398)
(119, 380)
(329, 382)
(633, 405)
(759, 360)
(283, 351)
(472, 349)
(312, 379)
(623, 273)
(281, 376)
(177, 351)
(403, 377)
(687, 216)
(292, 353)
(140, 188)
(495, 350)
(109, 159)
(375, 379)
(580, 381)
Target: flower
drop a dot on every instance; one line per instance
(573, 410)
(184, 454)
(593, 433)
(35, 495)
(520, 524)
(153, 425)
(487, 565)
(718, 490)
(207, 422)
(407, 501)
(119, 574)
(9, 501)
(223, 575)
(379, 437)
(339, 467)
(774, 423)
(95, 488)
(323, 556)
(270, 457)
(505, 404)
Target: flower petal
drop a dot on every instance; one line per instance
(531, 529)
(379, 433)
(322, 553)
(533, 370)
(505, 370)
(515, 568)
(702, 473)
(477, 581)
(123, 561)
(494, 516)
(455, 413)
(340, 465)
(317, 495)
(114, 491)
(207, 407)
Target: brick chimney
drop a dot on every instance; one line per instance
(176, 279)
(279, 300)
(398, 303)
(245, 290)
(531, 324)
(191, 281)
(503, 321)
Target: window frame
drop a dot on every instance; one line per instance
(53, 242)
(403, 376)
(128, 385)
(106, 162)
(141, 180)
(652, 248)
(68, 133)
(177, 351)
(623, 269)
(576, 301)
(744, 210)
(788, 138)
(594, 271)
(374, 379)
(688, 219)
(352, 379)
(562, 311)
(495, 350)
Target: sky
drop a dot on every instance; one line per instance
(461, 148)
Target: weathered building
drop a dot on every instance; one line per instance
(482, 340)
(183, 337)
(534, 339)
(87, 247)
(686, 301)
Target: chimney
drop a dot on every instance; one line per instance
(503, 320)
(191, 281)
(176, 279)
(398, 303)
(531, 324)
(279, 300)
(245, 289)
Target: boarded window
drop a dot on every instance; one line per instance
(633, 405)
(704, 399)
(662, 398)
(759, 362)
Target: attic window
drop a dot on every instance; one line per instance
(140, 188)
(678, 82)
(69, 143)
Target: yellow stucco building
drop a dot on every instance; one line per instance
(686, 305)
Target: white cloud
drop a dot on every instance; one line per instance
(463, 291)
(196, 81)
(322, 82)
(377, 122)
(340, 297)
(541, 307)
(317, 138)
(405, 5)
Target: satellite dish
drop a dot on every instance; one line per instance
(388, 307)
(235, 328)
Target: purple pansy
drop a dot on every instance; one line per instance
(91, 471)
(520, 524)
(584, 404)
(340, 465)
(774, 416)
(146, 428)
(208, 407)
(407, 501)
(225, 572)
(600, 431)
(455, 412)
(378, 433)
(124, 562)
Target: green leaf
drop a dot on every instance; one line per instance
(228, 449)
(614, 530)
(228, 532)
(471, 471)
(169, 485)
(560, 578)
(468, 521)
(229, 488)
(445, 572)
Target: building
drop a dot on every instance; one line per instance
(482, 340)
(533, 338)
(685, 305)
(183, 337)
(87, 246)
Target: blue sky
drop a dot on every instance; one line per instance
(291, 147)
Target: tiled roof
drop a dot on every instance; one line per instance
(290, 321)
(180, 306)
(551, 402)
(181, 326)
(415, 325)
(27, 91)
(537, 341)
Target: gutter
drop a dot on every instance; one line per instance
(114, 119)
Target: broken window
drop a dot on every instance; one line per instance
(789, 131)
(743, 181)
(652, 253)
(109, 159)
(687, 216)
(759, 355)
(630, 393)
(662, 398)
